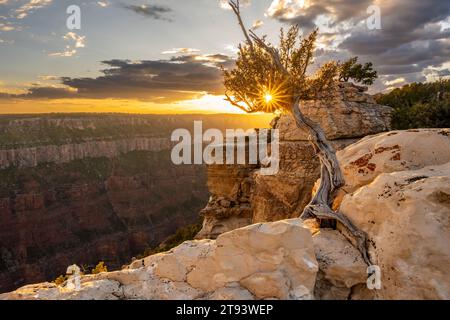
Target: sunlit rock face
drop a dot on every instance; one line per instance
(346, 114)
(262, 261)
(398, 191)
(392, 151)
(404, 211)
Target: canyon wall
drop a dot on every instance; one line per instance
(88, 188)
(401, 200)
(346, 114)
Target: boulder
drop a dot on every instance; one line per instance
(406, 216)
(341, 266)
(261, 261)
(347, 112)
(393, 151)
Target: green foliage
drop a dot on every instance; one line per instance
(281, 73)
(419, 105)
(99, 268)
(351, 69)
(60, 280)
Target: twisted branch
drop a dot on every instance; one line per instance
(331, 174)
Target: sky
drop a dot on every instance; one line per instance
(164, 56)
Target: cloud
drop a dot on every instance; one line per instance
(257, 24)
(180, 51)
(7, 27)
(414, 34)
(49, 78)
(178, 78)
(306, 13)
(394, 82)
(103, 4)
(156, 12)
(70, 50)
(32, 5)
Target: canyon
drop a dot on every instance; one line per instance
(241, 195)
(253, 245)
(79, 189)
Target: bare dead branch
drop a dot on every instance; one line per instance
(234, 103)
(234, 4)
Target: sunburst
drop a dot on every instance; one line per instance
(273, 96)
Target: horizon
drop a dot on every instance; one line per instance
(164, 57)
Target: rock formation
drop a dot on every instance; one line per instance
(88, 188)
(261, 261)
(399, 194)
(404, 211)
(346, 115)
(33, 156)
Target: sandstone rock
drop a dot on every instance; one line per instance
(346, 113)
(228, 208)
(271, 260)
(285, 194)
(341, 266)
(258, 248)
(265, 285)
(231, 293)
(97, 290)
(406, 216)
(31, 157)
(392, 151)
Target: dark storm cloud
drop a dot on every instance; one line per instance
(47, 93)
(411, 41)
(41, 93)
(156, 12)
(402, 22)
(179, 78)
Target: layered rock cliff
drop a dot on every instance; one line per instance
(242, 195)
(88, 188)
(397, 191)
(403, 207)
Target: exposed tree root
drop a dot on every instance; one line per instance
(331, 180)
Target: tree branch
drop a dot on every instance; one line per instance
(237, 11)
(272, 51)
(234, 103)
(330, 180)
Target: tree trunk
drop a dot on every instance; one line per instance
(331, 180)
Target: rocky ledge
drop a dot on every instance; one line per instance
(403, 207)
(241, 195)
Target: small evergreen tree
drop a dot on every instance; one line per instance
(351, 69)
(268, 79)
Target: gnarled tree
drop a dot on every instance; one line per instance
(268, 79)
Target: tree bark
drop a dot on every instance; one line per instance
(331, 180)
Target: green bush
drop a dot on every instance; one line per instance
(419, 105)
(363, 73)
(60, 280)
(99, 268)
